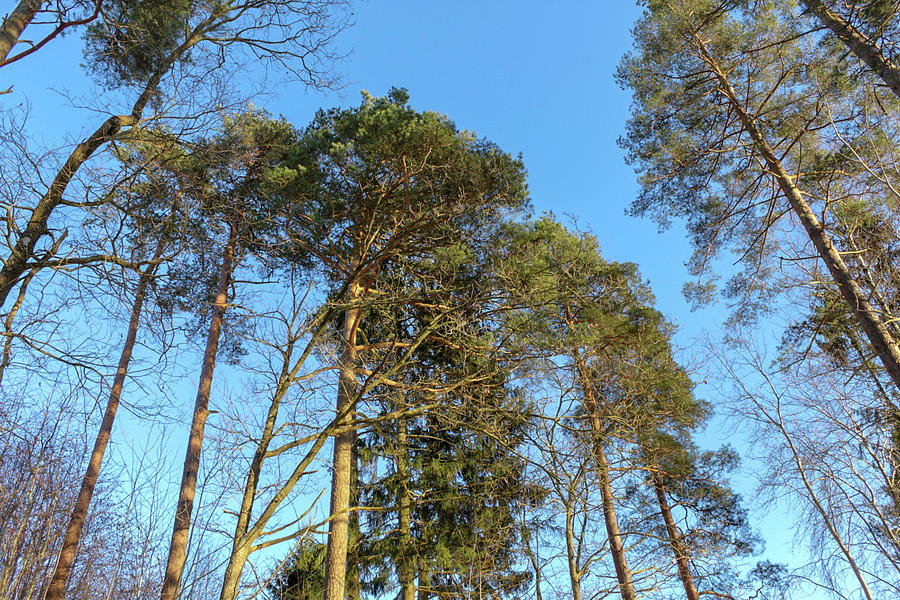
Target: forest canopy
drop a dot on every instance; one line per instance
(411, 379)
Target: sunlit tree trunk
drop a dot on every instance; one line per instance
(15, 23)
(616, 545)
(181, 530)
(338, 527)
(681, 557)
(864, 48)
(241, 546)
(866, 315)
(56, 589)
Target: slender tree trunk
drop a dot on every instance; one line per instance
(8, 323)
(864, 48)
(616, 546)
(867, 316)
(338, 527)
(241, 545)
(681, 557)
(405, 569)
(571, 554)
(56, 589)
(15, 23)
(181, 530)
(824, 513)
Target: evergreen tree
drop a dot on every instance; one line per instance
(380, 187)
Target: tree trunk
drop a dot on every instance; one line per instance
(616, 547)
(15, 23)
(37, 227)
(405, 569)
(864, 48)
(571, 554)
(56, 589)
(338, 527)
(241, 545)
(178, 545)
(681, 557)
(866, 315)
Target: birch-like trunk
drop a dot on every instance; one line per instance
(675, 542)
(571, 553)
(15, 24)
(866, 315)
(867, 50)
(338, 526)
(56, 589)
(181, 529)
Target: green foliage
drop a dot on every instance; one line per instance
(303, 577)
(382, 181)
(133, 38)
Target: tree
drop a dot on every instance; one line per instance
(868, 30)
(589, 316)
(137, 45)
(235, 186)
(64, 16)
(728, 100)
(618, 418)
(383, 184)
(819, 446)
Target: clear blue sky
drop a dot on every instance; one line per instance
(534, 77)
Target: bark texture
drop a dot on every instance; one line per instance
(15, 23)
(678, 550)
(338, 527)
(181, 530)
(867, 316)
(56, 589)
(857, 42)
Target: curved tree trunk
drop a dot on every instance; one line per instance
(15, 23)
(56, 589)
(15, 265)
(681, 557)
(181, 529)
(338, 526)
